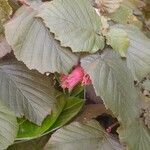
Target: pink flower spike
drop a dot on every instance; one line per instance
(75, 77)
(86, 80)
(63, 80)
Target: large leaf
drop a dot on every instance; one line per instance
(27, 93)
(60, 116)
(31, 130)
(8, 127)
(136, 136)
(35, 45)
(85, 136)
(119, 40)
(138, 54)
(113, 83)
(32, 144)
(75, 23)
(71, 109)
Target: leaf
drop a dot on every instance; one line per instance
(85, 136)
(71, 109)
(8, 127)
(122, 14)
(5, 10)
(91, 96)
(77, 91)
(33, 144)
(138, 54)
(128, 13)
(4, 47)
(60, 116)
(35, 46)
(75, 23)
(136, 135)
(91, 111)
(107, 6)
(114, 84)
(146, 84)
(119, 40)
(27, 93)
(30, 130)
(13, 4)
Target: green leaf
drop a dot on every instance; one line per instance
(122, 14)
(30, 130)
(113, 82)
(119, 40)
(136, 136)
(75, 23)
(128, 13)
(138, 54)
(35, 45)
(5, 12)
(85, 136)
(27, 93)
(71, 109)
(8, 127)
(60, 116)
(77, 91)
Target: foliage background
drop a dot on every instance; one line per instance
(41, 41)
